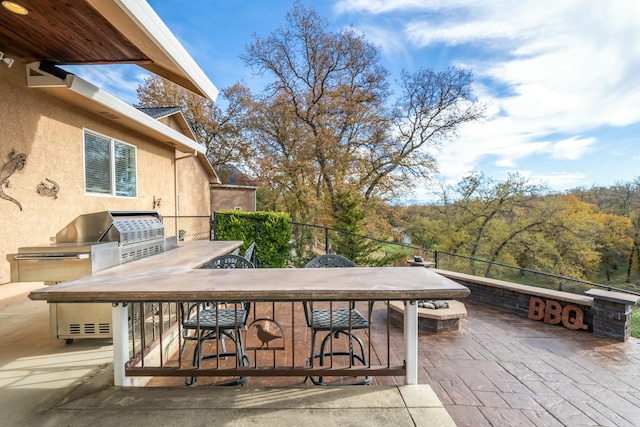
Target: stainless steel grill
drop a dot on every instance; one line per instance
(90, 243)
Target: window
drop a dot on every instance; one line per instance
(109, 166)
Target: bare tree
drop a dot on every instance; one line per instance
(331, 89)
(428, 113)
(221, 131)
(328, 117)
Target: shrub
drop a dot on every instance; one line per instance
(271, 231)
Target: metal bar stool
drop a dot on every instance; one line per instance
(216, 320)
(336, 322)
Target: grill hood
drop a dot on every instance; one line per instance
(125, 227)
(90, 243)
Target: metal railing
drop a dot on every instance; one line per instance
(157, 335)
(308, 241)
(188, 228)
(161, 346)
(510, 273)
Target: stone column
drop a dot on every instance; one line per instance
(612, 313)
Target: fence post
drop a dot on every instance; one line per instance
(326, 240)
(215, 226)
(435, 258)
(255, 240)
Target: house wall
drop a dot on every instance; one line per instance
(171, 122)
(193, 187)
(224, 198)
(49, 132)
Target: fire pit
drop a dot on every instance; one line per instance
(434, 320)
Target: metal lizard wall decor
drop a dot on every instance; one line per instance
(46, 190)
(16, 162)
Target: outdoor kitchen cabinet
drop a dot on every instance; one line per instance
(79, 320)
(90, 243)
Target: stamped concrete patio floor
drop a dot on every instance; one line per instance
(499, 369)
(505, 370)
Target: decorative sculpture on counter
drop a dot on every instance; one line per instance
(16, 162)
(46, 190)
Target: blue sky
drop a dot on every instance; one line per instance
(560, 78)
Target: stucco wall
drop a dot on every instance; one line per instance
(50, 133)
(224, 198)
(193, 187)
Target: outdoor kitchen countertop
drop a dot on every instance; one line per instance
(187, 256)
(175, 276)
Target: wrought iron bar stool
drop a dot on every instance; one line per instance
(217, 320)
(336, 322)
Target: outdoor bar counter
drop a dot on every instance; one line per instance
(175, 276)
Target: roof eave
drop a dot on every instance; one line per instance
(77, 91)
(137, 21)
(204, 160)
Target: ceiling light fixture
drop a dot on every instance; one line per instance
(8, 61)
(15, 7)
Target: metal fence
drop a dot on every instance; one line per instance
(308, 241)
(188, 228)
(509, 273)
(165, 344)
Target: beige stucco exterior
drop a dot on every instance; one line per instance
(49, 131)
(228, 197)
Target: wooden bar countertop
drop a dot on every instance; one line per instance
(175, 276)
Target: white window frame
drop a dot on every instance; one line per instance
(112, 165)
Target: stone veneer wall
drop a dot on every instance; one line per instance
(612, 312)
(605, 313)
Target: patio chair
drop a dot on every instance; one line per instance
(336, 322)
(248, 255)
(216, 320)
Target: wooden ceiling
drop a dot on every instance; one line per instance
(64, 32)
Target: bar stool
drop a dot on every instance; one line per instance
(216, 320)
(336, 322)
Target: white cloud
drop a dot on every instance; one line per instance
(120, 81)
(385, 6)
(387, 38)
(569, 149)
(374, 6)
(569, 67)
(559, 180)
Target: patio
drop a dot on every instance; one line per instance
(499, 369)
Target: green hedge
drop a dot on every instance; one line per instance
(274, 234)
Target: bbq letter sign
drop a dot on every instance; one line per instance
(552, 312)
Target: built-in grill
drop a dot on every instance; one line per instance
(90, 243)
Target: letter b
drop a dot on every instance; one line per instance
(536, 308)
(553, 312)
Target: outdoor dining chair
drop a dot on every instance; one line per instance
(335, 322)
(248, 254)
(217, 320)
